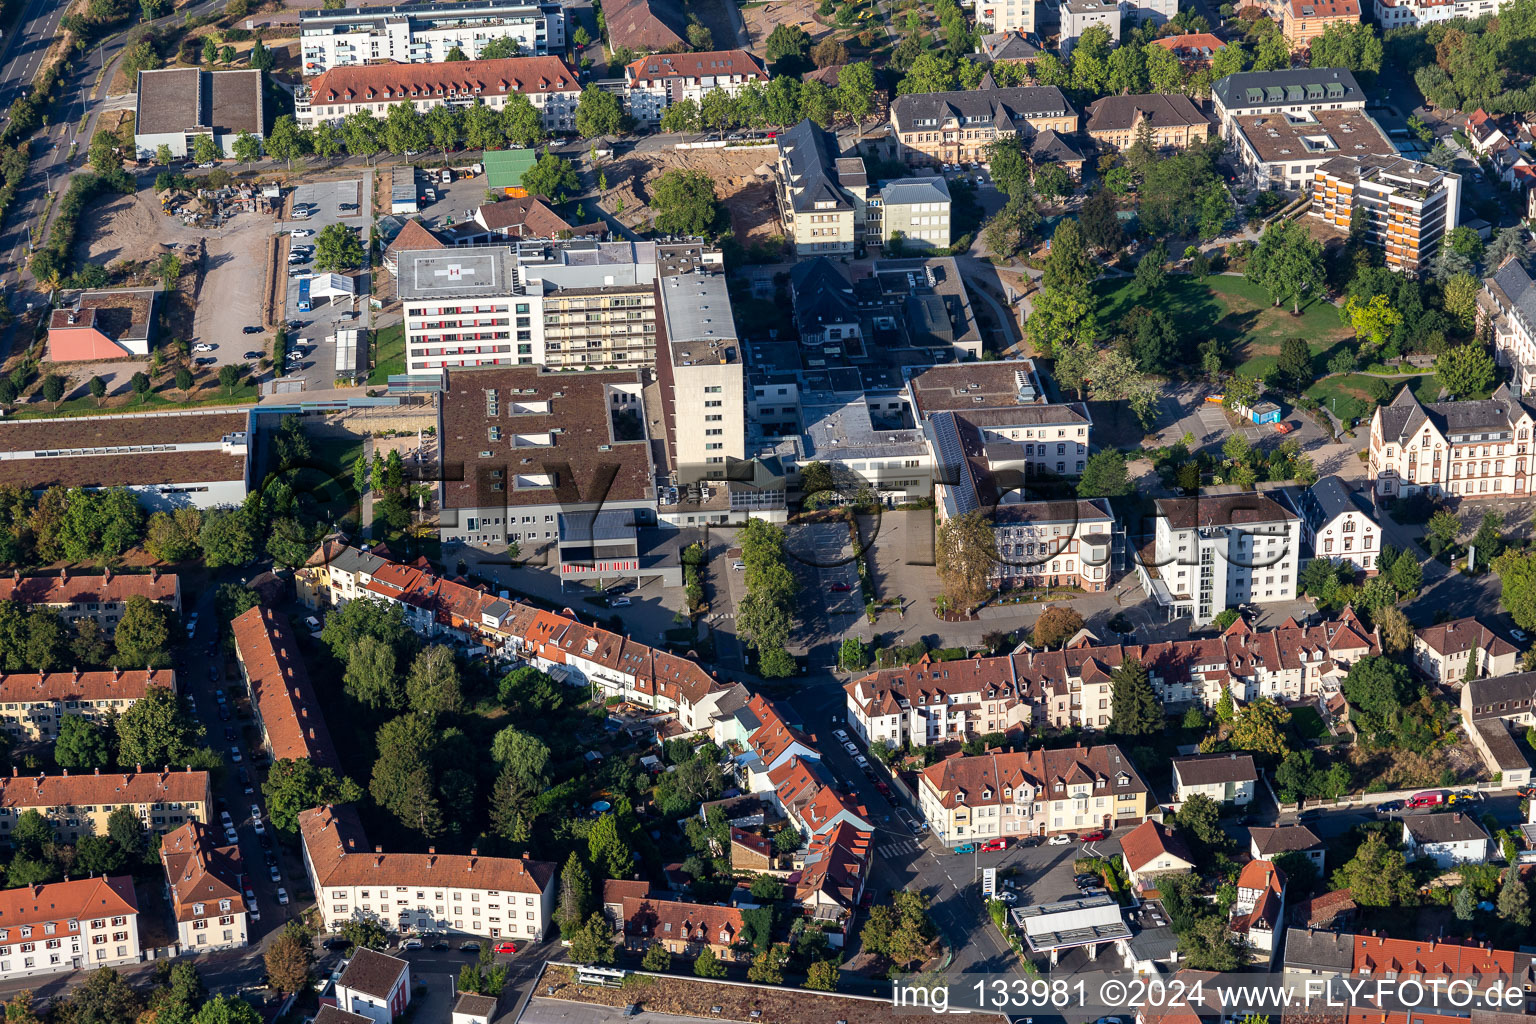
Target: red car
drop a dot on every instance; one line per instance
(883, 789)
(992, 845)
(1093, 837)
(839, 588)
(506, 947)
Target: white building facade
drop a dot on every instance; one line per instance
(425, 32)
(1220, 552)
(655, 82)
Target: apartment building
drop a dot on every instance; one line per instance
(1219, 552)
(1288, 91)
(549, 83)
(1168, 121)
(933, 703)
(1409, 206)
(1304, 20)
(1494, 710)
(1286, 150)
(684, 929)
(701, 371)
(1257, 916)
(204, 878)
(1078, 16)
(957, 127)
(33, 706)
(494, 897)
(532, 457)
(66, 926)
(79, 805)
(1015, 19)
(1472, 449)
(821, 196)
(102, 598)
(1445, 651)
(374, 986)
(1506, 309)
(995, 411)
(425, 32)
(165, 459)
(1041, 792)
(655, 82)
(1392, 14)
(282, 697)
(1337, 523)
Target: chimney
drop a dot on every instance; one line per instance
(525, 855)
(97, 771)
(351, 844)
(75, 676)
(65, 771)
(64, 574)
(431, 849)
(378, 849)
(107, 577)
(474, 851)
(154, 574)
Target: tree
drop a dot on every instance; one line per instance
(326, 140)
(508, 46)
(1466, 371)
(1377, 689)
(610, 855)
(433, 687)
(598, 113)
(53, 388)
(521, 121)
(788, 45)
(853, 655)
(360, 130)
(1356, 47)
(126, 830)
(1460, 297)
(1464, 903)
(593, 942)
(1052, 182)
(1209, 946)
(288, 959)
(967, 553)
(575, 894)
(829, 53)
(144, 631)
(767, 967)
(1104, 476)
(286, 140)
(1373, 321)
(184, 381)
(205, 150)
(403, 777)
(225, 538)
(1199, 818)
(1150, 269)
(455, 54)
(681, 117)
(156, 730)
(1055, 626)
(338, 248)
(32, 833)
(1261, 727)
(1514, 903)
(706, 964)
(657, 958)
(442, 127)
(1377, 876)
(1100, 224)
(404, 130)
(292, 786)
(822, 976)
(105, 998)
(81, 744)
(552, 177)
(523, 754)
(210, 53)
(856, 89)
(222, 1009)
(684, 202)
(1509, 243)
(1396, 631)
(1136, 709)
(1295, 364)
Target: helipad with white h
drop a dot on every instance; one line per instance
(468, 272)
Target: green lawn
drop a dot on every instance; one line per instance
(1348, 396)
(1228, 306)
(86, 405)
(1307, 723)
(388, 353)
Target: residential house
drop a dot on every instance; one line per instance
(204, 877)
(1009, 44)
(1295, 91)
(1493, 710)
(821, 197)
(1337, 523)
(282, 698)
(1302, 21)
(1078, 16)
(751, 851)
(374, 985)
(834, 871)
(33, 707)
(1471, 449)
(1194, 49)
(958, 127)
(1392, 14)
(1225, 778)
(646, 26)
(1448, 838)
(1450, 651)
(525, 217)
(548, 83)
(495, 897)
(684, 929)
(1164, 121)
(1485, 133)
(1150, 849)
(656, 81)
(1041, 792)
(81, 805)
(71, 925)
(1257, 915)
(1269, 843)
(1506, 308)
(1219, 552)
(1319, 952)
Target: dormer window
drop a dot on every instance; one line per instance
(197, 909)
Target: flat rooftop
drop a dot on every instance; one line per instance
(468, 272)
(1283, 137)
(838, 426)
(696, 309)
(962, 387)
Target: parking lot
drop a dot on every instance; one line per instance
(821, 556)
(455, 203)
(330, 202)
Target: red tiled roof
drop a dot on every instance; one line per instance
(659, 67)
(113, 684)
(836, 865)
(334, 840)
(201, 871)
(66, 901)
(150, 787)
(525, 217)
(413, 237)
(960, 778)
(675, 920)
(280, 687)
(1148, 841)
(387, 83)
(108, 588)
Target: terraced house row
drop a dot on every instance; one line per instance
(34, 705)
(79, 805)
(938, 702)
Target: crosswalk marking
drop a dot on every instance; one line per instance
(897, 848)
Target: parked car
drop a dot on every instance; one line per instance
(253, 355)
(850, 748)
(1007, 897)
(1060, 839)
(883, 789)
(842, 736)
(245, 782)
(1518, 635)
(966, 848)
(506, 947)
(235, 755)
(839, 587)
(618, 602)
(202, 346)
(993, 845)
(410, 944)
(282, 896)
(469, 947)
(738, 566)
(250, 329)
(301, 232)
(273, 873)
(1098, 835)
(1396, 805)
(1428, 798)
